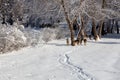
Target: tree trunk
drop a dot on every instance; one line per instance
(81, 34)
(100, 29)
(101, 26)
(108, 26)
(3, 20)
(103, 29)
(112, 23)
(94, 30)
(103, 3)
(70, 24)
(117, 27)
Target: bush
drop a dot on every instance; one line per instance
(16, 36)
(33, 36)
(11, 38)
(62, 33)
(49, 34)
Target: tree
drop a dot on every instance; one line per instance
(117, 26)
(101, 22)
(71, 11)
(18, 10)
(42, 11)
(10, 10)
(6, 9)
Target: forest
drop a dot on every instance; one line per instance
(22, 22)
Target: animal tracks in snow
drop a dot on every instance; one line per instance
(78, 71)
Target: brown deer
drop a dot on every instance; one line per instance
(83, 40)
(97, 38)
(76, 42)
(67, 41)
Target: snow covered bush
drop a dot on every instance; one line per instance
(11, 38)
(49, 34)
(16, 36)
(33, 36)
(62, 33)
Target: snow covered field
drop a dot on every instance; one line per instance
(56, 61)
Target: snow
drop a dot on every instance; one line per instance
(57, 61)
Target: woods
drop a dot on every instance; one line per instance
(95, 11)
(83, 19)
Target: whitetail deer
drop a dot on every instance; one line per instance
(83, 40)
(76, 42)
(67, 41)
(97, 38)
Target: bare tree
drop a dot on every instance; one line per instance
(101, 22)
(5, 9)
(10, 10)
(41, 12)
(72, 11)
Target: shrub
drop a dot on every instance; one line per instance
(49, 34)
(11, 38)
(33, 36)
(16, 36)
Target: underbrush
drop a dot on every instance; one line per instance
(11, 38)
(49, 34)
(16, 36)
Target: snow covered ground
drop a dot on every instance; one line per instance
(56, 61)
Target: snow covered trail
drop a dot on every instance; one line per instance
(65, 60)
(75, 69)
(56, 61)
